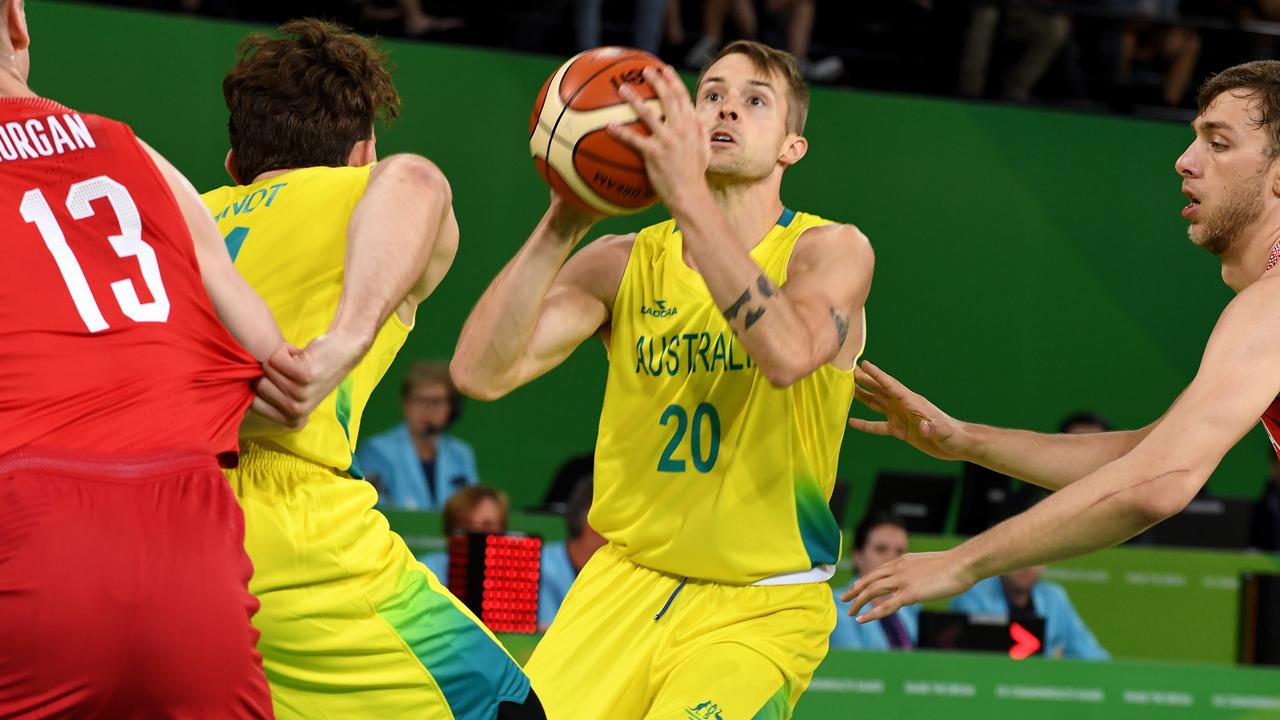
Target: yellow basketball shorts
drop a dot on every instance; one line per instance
(352, 625)
(630, 643)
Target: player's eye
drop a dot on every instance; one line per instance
(1217, 146)
(713, 96)
(757, 101)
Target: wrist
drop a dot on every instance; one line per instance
(969, 441)
(692, 202)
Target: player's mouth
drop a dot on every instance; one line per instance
(722, 137)
(1192, 207)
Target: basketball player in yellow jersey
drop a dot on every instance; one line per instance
(352, 626)
(732, 331)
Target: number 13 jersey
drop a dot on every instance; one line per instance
(703, 469)
(110, 343)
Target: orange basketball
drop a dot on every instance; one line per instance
(571, 147)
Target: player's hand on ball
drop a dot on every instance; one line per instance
(907, 415)
(910, 579)
(677, 150)
(568, 218)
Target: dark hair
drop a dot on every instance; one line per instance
(433, 372)
(871, 522)
(304, 96)
(578, 506)
(769, 60)
(1084, 417)
(461, 503)
(1259, 79)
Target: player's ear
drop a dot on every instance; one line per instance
(16, 20)
(793, 148)
(230, 164)
(364, 152)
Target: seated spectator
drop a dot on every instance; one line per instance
(416, 464)
(1264, 527)
(477, 509)
(1022, 594)
(880, 538)
(1032, 25)
(562, 561)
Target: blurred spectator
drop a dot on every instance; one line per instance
(1264, 526)
(416, 465)
(797, 17)
(1152, 53)
(1022, 594)
(647, 27)
(1030, 24)
(477, 509)
(880, 537)
(406, 17)
(562, 561)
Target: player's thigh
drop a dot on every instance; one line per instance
(723, 681)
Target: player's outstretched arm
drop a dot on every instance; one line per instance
(788, 331)
(280, 398)
(540, 306)
(1239, 377)
(1049, 460)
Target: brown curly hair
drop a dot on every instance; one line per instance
(1260, 80)
(304, 96)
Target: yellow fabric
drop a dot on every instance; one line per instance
(352, 625)
(743, 651)
(287, 236)
(702, 468)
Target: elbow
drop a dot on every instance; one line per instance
(469, 383)
(1166, 495)
(782, 375)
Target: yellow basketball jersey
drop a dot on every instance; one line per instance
(287, 236)
(703, 469)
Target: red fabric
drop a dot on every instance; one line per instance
(132, 385)
(123, 590)
(1271, 421)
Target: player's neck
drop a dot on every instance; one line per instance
(270, 174)
(1246, 260)
(752, 209)
(11, 83)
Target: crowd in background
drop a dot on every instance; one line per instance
(1139, 56)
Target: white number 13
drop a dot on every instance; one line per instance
(129, 243)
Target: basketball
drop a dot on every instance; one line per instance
(571, 146)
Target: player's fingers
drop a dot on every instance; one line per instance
(265, 409)
(676, 90)
(882, 609)
(631, 138)
(870, 399)
(289, 411)
(288, 382)
(864, 379)
(648, 112)
(871, 427)
(286, 360)
(873, 591)
(887, 383)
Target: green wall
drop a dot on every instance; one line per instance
(1029, 263)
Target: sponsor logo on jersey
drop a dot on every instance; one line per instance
(704, 711)
(659, 311)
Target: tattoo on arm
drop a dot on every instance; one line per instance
(842, 326)
(766, 287)
(731, 312)
(752, 317)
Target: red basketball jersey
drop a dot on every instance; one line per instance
(108, 340)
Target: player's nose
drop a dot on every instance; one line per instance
(1187, 164)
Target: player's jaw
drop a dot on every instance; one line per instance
(1220, 216)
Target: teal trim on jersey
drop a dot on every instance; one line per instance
(342, 408)
(473, 671)
(235, 240)
(786, 217)
(818, 529)
(777, 707)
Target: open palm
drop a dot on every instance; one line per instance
(907, 415)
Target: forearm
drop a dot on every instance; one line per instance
(1051, 461)
(497, 333)
(1102, 510)
(390, 239)
(763, 317)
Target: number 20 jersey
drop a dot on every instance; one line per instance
(703, 469)
(108, 341)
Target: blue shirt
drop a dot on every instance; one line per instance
(438, 563)
(851, 635)
(403, 484)
(557, 574)
(1066, 635)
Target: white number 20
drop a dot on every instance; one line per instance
(129, 243)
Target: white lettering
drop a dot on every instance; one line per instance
(79, 130)
(20, 141)
(60, 137)
(36, 131)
